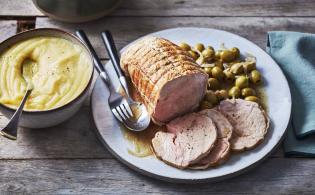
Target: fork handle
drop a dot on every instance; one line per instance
(97, 62)
(112, 51)
(113, 55)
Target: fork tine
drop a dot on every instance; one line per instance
(120, 112)
(116, 114)
(127, 107)
(125, 112)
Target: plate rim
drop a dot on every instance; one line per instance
(199, 180)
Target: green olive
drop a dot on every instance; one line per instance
(193, 54)
(227, 56)
(210, 47)
(205, 105)
(255, 76)
(234, 62)
(237, 68)
(208, 53)
(217, 73)
(228, 75)
(211, 97)
(248, 92)
(235, 92)
(200, 47)
(253, 99)
(219, 64)
(208, 70)
(249, 66)
(241, 82)
(236, 52)
(213, 83)
(222, 94)
(185, 46)
(217, 54)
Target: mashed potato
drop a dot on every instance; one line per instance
(59, 69)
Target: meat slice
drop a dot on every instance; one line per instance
(249, 121)
(221, 150)
(189, 138)
(168, 79)
(223, 125)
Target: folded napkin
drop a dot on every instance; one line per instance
(295, 54)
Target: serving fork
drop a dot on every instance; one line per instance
(117, 103)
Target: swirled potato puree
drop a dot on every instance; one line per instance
(59, 70)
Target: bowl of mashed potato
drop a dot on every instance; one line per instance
(60, 68)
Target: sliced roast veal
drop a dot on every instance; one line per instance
(221, 150)
(189, 138)
(249, 121)
(167, 78)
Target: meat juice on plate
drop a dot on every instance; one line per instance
(140, 141)
(261, 93)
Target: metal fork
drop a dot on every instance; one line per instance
(142, 119)
(117, 103)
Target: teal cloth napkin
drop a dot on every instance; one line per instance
(295, 54)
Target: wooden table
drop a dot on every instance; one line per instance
(69, 159)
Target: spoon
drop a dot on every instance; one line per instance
(10, 130)
(140, 119)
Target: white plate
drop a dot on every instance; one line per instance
(279, 109)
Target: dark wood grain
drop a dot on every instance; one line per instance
(25, 24)
(186, 8)
(108, 176)
(127, 29)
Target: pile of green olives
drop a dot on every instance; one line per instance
(230, 76)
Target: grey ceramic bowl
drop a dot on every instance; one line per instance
(76, 10)
(52, 117)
